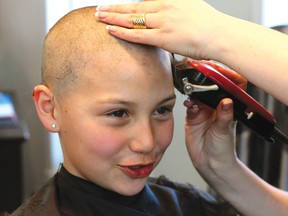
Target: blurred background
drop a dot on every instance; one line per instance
(29, 155)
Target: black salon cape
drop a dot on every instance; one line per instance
(66, 194)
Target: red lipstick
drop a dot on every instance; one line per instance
(137, 171)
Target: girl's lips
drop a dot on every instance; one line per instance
(137, 171)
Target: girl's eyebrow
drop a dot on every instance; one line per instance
(172, 97)
(112, 100)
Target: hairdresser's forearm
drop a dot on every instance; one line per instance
(258, 53)
(249, 194)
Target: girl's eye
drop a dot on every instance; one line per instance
(163, 110)
(118, 114)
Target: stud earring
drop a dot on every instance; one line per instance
(53, 126)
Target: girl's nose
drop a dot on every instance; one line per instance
(143, 138)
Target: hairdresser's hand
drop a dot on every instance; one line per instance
(181, 26)
(210, 135)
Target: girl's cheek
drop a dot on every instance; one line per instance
(167, 134)
(107, 144)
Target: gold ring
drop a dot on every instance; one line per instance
(139, 21)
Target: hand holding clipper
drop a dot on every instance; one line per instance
(203, 80)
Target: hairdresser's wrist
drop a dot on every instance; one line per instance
(209, 42)
(219, 173)
(226, 170)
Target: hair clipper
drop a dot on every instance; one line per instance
(201, 80)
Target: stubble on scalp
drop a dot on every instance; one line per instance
(73, 43)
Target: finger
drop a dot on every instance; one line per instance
(224, 115)
(191, 103)
(198, 114)
(123, 20)
(146, 6)
(126, 20)
(143, 36)
(193, 107)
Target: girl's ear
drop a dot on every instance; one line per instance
(44, 102)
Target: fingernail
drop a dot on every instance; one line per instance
(100, 15)
(102, 8)
(227, 105)
(195, 106)
(111, 29)
(187, 103)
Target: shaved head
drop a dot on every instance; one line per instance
(74, 43)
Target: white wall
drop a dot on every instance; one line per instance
(245, 9)
(274, 12)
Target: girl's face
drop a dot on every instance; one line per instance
(116, 126)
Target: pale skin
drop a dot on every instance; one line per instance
(110, 134)
(193, 28)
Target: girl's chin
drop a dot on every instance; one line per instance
(132, 188)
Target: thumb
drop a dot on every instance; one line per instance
(224, 115)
